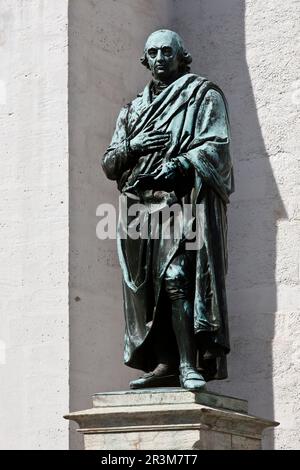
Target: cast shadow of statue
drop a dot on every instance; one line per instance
(106, 40)
(215, 34)
(104, 75)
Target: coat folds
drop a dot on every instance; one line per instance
(194, 112)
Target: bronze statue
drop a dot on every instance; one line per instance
(171, 146)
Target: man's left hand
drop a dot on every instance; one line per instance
(164, 178)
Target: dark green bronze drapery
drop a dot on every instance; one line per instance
(194, 112)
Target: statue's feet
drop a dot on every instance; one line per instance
(161, 376)
(191, 379)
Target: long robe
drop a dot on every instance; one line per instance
(194, 112)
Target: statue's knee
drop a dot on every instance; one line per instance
(176, 285)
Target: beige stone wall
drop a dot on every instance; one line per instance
(105, 42)
(250, 49)
(34, 343)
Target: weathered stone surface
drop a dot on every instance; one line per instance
(147, 421)
(34, 238)
(173, 439)
(245, 443)
(250, 49)
(214, 440)
(168, 396)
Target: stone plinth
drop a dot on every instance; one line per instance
(168, 419)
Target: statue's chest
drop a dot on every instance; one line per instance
(135, 111)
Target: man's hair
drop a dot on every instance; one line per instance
(184, 56)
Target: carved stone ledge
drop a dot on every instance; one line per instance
(168, 419)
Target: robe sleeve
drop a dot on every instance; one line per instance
(118, 158)
(208, 153)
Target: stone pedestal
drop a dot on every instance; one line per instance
(169, 419)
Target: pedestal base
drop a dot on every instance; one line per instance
(168, 419)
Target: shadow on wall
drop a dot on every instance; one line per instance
(214, 31)
(106, 40)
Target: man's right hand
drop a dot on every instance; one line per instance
(147, 142)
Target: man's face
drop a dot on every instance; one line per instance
(162, 54)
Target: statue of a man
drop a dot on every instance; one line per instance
(171, 146)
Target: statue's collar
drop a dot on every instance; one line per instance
(149, 97)
(157, 87)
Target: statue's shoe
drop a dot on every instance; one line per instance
(191, 379)
(151, 379)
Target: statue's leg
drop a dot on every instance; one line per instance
(166, 372)
(165, 353)
(179, 280)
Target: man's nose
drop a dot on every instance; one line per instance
(159, 56)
